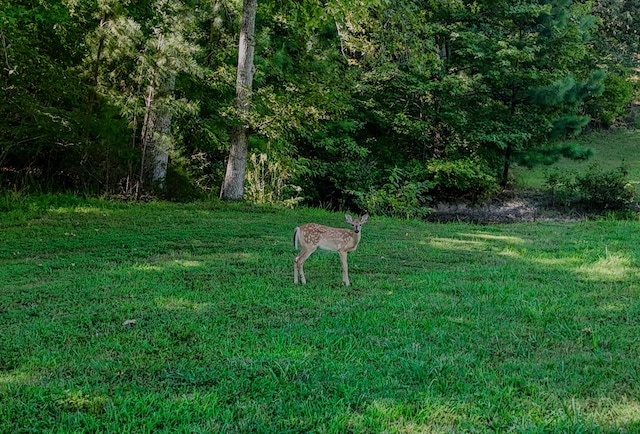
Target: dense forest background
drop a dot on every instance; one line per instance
(382, 105)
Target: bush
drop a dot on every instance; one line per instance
(408, 191)
(560, 188)
(612, 105)
(466, 177)
(595, 190)
(605, 190)
(267, 181)
(402, 196)
(331, 184)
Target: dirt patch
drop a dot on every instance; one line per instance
(508, 207)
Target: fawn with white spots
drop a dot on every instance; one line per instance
(311, 236)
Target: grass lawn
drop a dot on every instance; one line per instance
(184, 318)
(611, 149)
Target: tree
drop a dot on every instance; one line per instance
(616, 46)
(233, 185)
(133, 63)
(618, 34)
(44, 123)
(341, 93)
(527, 62)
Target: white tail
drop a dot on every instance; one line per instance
(312, 236)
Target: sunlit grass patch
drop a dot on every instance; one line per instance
(188, 263)
(14, 377)
(78, 401)
(621, 411)
(173, 303)
(506, 239)
(457, 244)
(611, 267)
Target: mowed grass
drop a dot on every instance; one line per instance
(184, 318)
(611, 150)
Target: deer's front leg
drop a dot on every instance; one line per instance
(345, 267)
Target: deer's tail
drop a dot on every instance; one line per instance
(296, 237)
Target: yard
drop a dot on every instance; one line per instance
(166, 317)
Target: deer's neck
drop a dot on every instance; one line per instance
(356, 239)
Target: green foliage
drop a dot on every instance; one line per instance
(351, 89)
(560, 187)
(550, 154)
(302, 87)
(180, 187)
(267, 181)
(532, 93)
(402, 196)
(617, 39)
(612, 105)
(336, 164)
(462, 178)
(594, 190)
(331, 184)
(41, 103)
(569, 125)
(606, 190)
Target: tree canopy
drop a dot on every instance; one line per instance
(352, 102)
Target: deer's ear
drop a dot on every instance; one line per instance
(364, 218)
(348, 218)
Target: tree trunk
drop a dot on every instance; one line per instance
(155, 134)
(504, 178)
(233, 185)
(509, 151)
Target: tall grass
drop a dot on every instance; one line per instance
(183, 318)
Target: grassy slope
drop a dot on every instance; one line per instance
(184, 318)
(611, 150)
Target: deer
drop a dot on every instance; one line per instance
(311, 236)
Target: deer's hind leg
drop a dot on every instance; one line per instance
(298, 266)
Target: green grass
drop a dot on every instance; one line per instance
(611, 149)
(184, 318)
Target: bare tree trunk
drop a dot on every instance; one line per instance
(158, 156)
(233, 185)
(156, 130)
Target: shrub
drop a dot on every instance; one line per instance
(267, 181)
(595, 190)
(560, 188)
(402, 196)
(612, 105)
(465, 177)
(331, 184)
(605, 190)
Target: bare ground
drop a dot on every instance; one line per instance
(508, 207)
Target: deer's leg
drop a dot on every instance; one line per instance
(299, 265)
(345, 268)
